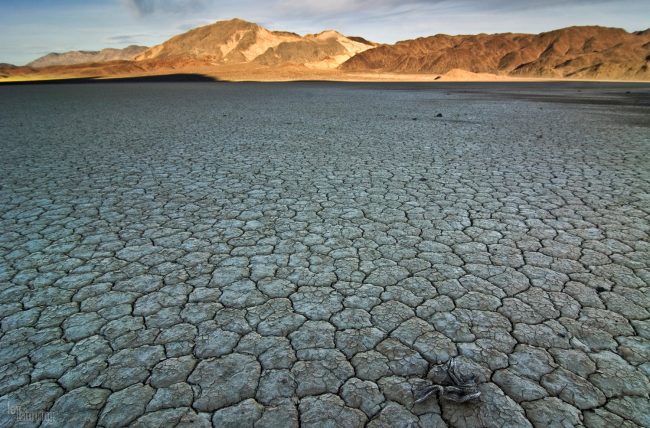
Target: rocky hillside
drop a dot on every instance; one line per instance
(237, 41)
(326, 49)
(233, 41)
(574, 52)
(87, 57)
(237, 49)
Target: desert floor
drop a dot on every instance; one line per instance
(249, 73)
(295, 253)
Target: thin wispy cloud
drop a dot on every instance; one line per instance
(371, 7)
(125, 38)
(143, 8)
(319, 9)
(186, 26)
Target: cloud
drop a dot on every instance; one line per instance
(186, 26)
(336, 7)
(150, 7)
(126, 38)
(313, 10)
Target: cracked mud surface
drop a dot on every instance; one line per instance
(306, 254)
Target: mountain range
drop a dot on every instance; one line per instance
(576, 52)
(241, 50)
(86, 57)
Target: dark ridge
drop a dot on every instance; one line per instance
(140, 79)
(361, 40)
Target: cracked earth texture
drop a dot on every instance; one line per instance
(283, 255)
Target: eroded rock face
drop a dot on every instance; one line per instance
(279, 275)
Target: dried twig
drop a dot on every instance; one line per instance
(461, 389)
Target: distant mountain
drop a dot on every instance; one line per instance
(6, 70)
(241, 50)
(233, 41)
(237, 42)
(87, 57)
(575, 52)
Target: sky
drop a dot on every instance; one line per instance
(32, 28)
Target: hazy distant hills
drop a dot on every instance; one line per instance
(241, 50)
(6, 69)
(85, 57)
(574, 52)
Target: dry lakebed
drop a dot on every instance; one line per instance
(315, 254)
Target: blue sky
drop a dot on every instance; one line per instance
(31, 28)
